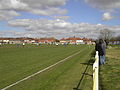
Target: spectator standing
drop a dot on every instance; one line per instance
(101, 48)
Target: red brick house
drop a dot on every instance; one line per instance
(46, 40)
(72, 40)
(75, 40)
(63, 40)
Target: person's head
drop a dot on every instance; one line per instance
(97, 41)
(101, 41)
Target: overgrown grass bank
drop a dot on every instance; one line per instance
(110, 72)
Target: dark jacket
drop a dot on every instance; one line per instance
(101, 48)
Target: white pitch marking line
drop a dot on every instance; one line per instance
(40, 71)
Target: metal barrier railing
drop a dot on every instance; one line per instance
(96, 72)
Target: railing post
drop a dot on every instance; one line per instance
(96, 72)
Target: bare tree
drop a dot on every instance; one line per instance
(106, 34)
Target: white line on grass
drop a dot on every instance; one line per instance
(40, 71)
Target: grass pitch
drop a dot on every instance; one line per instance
(110, 72)
(17, 63)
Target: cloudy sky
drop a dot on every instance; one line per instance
(58, 18)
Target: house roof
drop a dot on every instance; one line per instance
(73, 38)
(23, 38)
(63, 39)
(87, 39)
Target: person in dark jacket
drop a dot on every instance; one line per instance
(101, 48)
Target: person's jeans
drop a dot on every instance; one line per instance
(102, 60)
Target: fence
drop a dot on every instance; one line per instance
(96, 72)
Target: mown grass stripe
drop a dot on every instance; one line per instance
(42, 70)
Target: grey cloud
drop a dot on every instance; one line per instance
(60, 28)
(108, 6)
(104, 4)
(49, 11)
(12, 5)
(10, 33)
(39, 24)
(20, 22)
(40, 7)
(6, 15)
(44, 3)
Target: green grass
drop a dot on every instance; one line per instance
(19, 62)
(110, 72)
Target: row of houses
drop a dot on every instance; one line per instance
(16, 40)
(71, 40)
(76, 40)
(115, 42)
(26, 40)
